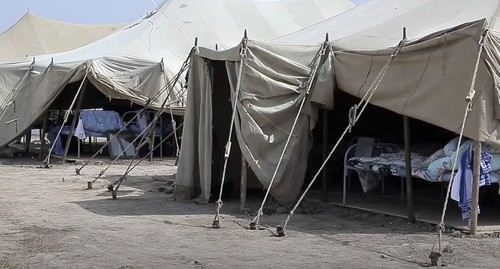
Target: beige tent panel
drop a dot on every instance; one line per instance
(33, 35)
(135, 62)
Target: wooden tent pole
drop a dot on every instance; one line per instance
(475, 187)
(325, 155)
(409, 179)
(74, 121)
(244, 183)
(28, 140)
(42, 135)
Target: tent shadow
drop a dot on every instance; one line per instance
(128, 203)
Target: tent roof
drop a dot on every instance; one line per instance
(169, 32)
(135, 62)
(378, 24)
(33, 35)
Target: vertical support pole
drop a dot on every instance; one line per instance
(28, 140)
(76, 115)
(244, 183)
(475, 187)
(409, 179)
(325, 155)
(42, 136)
(152, 142)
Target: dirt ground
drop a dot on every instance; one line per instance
(49, 220)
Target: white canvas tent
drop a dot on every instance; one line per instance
(429, 81)
(33, 35)
(136, 62)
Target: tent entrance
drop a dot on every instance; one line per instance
(106, 117)
(387, 126)
(221, 117)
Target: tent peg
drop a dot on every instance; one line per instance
(245, 35)
(404, 33)
(196, 41)
(327, 38)
(216, 46)
(280, 230)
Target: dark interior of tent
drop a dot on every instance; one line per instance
(108, 116)
(384, 125)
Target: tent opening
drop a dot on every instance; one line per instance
(221, 117)
(387, 127)
(101, 118)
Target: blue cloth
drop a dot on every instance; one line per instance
(99, 123)
(142, 121)
(462, 184)
(484, 178)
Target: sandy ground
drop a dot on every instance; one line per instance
(49, 220)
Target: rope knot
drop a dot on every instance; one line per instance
(441, 227)
(352, 117)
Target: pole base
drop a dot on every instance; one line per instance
(253, 225)
(110, 188)
(434, 256)
(280, 230)
(77, 171)
(89, 185)
(46, 165)
(216, 224)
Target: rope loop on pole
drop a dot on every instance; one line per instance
(352, 116)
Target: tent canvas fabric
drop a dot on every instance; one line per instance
(273, 83)
(435, 67)
(34, 35)
(127, 63)
(428, 80)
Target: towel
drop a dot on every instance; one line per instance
(461, 190)
(80, 131)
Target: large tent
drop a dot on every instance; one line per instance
(428, 80)
(33, 35)
(136, 62)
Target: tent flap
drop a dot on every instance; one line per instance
(273, 83)
(193, 180)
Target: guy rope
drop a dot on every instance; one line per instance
(434, 256)
(243, 56)
(149, 129)
(66, 116)
(254, 224)
(167, 86)
(363, 104)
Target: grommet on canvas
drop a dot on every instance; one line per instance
(216, 224)
(280, 230)
(252, 225)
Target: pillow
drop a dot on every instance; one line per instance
(451, 147)
(489, 148)
(436, 155)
